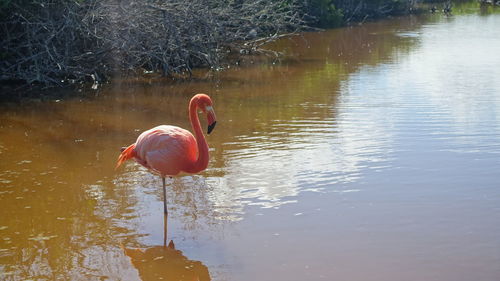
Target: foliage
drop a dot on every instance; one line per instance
(67, 41)
(49, 41)
(325, 13)
(331, 13)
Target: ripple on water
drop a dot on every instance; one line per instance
(271, 168)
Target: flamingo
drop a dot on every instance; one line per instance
(169, 150)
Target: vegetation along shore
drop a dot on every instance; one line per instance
(63, 42)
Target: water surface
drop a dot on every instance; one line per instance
(370, 153)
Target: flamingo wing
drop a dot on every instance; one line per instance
(166, 150)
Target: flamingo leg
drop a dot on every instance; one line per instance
(164, 197)
(165, 213)
(165, 230)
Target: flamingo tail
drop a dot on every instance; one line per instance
(126, 154)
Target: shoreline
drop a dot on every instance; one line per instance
(18, 92)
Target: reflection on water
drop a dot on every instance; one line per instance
(166, 263)
(371, 153)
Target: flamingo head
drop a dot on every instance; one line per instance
(204, 102)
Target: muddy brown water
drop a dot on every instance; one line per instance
(373, 153)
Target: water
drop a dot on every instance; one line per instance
(372, 153)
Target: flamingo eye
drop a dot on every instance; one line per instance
(209, 108)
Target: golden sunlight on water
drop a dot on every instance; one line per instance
(371, 154)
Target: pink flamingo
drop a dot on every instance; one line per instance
(169, 150)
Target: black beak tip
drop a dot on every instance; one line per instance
(211, 127)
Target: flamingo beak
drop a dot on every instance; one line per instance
(210, 119)
(211, 127)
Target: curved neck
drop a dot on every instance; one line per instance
(201, 162)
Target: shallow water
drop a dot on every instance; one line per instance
(371, 154)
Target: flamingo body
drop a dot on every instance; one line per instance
(169, 150)
(166, 150)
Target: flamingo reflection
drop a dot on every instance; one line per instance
(166, 263)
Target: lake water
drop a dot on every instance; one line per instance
(369, 153)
